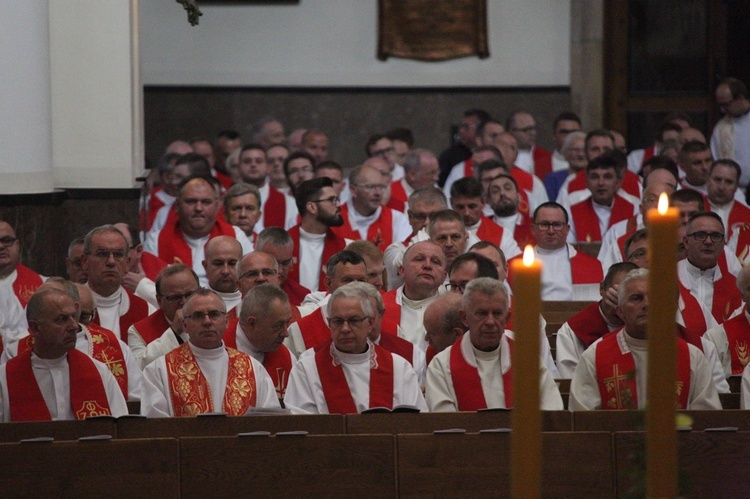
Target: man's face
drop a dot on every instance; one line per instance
(316, 145)
(686, 209)
(503, 197)
(727, 104)
(273, 133)
(494, 257)
(107, 261)
(524, 130)
(253, 166)
(336, 177)
(419, 213)
(485, 317)
(561, 131)
(603, 184)
(197, 207)
(221, 265)
(488, 176)
(460, 277)
(722, 184)
(204, 331)
(638, 253)
(451, 238)
(174, 292)
(328, 208)
(508, 145)
(375, 268)
(696, 166)
(467, 130)
(368, 193)
(634, 309)
(345, 273)
(491, 133)
(348, 338)
(226, 145)
(661, 177)
(244, 212)
(54, 332)
(204, 148)
(575, 155)
(426, 174)
(258, 268)
(597, 145)
(267, 330)
(299, 170)
(470, 209)
(401, 149)
(275, 157)
(550, 238)
(10, 249)
(283, 255)
(704, 254)
(74, 265)
(384, 149)
(424, 267)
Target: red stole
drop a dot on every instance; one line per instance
(380, 232)
(648, 153)
(738, 336)
(399, 198)
(226, 180)
(152, 265)
(468, 385)
(88, 397)
(587, 222)
(397, 345)
(692, 314)
(743, 242)
(189, 390)
(430, 354)
(152, 327)
(295, 291)
(615, 373)
(392, 308)
(137, 310)
(489, 231)
(336, 390)
(738, 216)
(314, 329)
(525, 181)
(630, 227)
(727, 297)
(469, 168)
(585, 269)
(278, 363)
(274, 209)
(333, 244)
(588, 324)
(25, 284)
(542, 161)
(174, 249)
(154, 205)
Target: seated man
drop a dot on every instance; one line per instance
(723, 185)
(591, 323)
(504, 199)
(203, 375)
(278, 243)
(442, 323)
(476, 372)
(348, 373)
(242, 208)
(733, 336)
(222, 254)
(604, 377)
(53, 380)
(260, 331)
(373, 258)
(257, 268)
(421, 170)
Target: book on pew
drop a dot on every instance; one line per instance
(398, 408)
(266, 411)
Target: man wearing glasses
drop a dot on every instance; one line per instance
(161, 332)
(203, 375)
(17, 284)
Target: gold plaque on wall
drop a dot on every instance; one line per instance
(432, 30)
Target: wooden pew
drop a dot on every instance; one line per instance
(635, 420)
(59, 430)
(403, 423)
(110, 468)
(288, 466)
(475, 465)
(205, 426)
(711, 464)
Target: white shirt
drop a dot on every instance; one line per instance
(230, 300)
(361, 223)
(411, 327)
(304, 393)
(214, 364)
(53, 378)
(557, 277)
(558, 161)
(13, 317)
(310, 258)
(741, 143)
(111, 308)
(147, 353)
(609, 252)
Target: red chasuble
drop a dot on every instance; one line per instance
(314, 329)
(525, 181)
(399, 198)
(380, 232)
(615, 372)
(88, 397)
(333, 244)
(25, 284)
(630, 228)
(587, 222)
(588, 324)
(189, 390)
(336, 390)
(542, 161)
(392, 308)
(738, 336)
(152, 327)
(489, 231)
(174, 249)
(468, 385)
(277, 363)
(274, 209)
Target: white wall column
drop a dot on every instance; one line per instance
(25, 128)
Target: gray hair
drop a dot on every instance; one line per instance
(204, 292)
(430, 195)
(75, 242)
(413, 159)
(275, 236)
(69, 288)
(103, 229)
(633, 275)
(351, 291)
(240, 189)
(571, 137)
(38, 301)
(483, 285)
(371, 291)
(258, 300)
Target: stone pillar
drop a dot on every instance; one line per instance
(586, 61)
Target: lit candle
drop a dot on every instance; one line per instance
(661, 434)
(526, 439)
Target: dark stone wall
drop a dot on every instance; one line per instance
(348, 115)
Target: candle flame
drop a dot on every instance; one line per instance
(528, 255)
(663, 204)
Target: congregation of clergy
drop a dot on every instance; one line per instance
(263, 277)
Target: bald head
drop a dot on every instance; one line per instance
(442, 323)
(258, 268)
(222, 254)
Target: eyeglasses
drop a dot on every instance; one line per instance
(295, 171)
(372, 187)
(456, 288)
(556, 226)
(383, 152)
(354, 322)
(213, 315)
(118, 255)
(419, 217)
(8, 241)
(701, 236)
(254, 274)
(332, 199)
(177, 298)
(86, 317)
